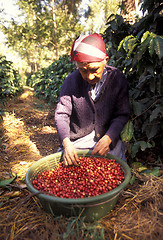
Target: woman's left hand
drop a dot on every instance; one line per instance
(103, 145)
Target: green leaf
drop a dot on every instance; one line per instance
(144, 45)
(151, 130)
(145, 36)
(156, 112)
(127, 132)
(125, 43)
(143, 168)
(121, 44)
(137, 108)
(159, 46)
(132, 180)
(132, 43)
(154, 172)
(136, 165)
(139, 145)
(4, 183)
(135, 149)
(152, 45)
(144, 145)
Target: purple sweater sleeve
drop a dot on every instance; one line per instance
(62, 117)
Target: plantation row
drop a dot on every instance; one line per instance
(10, 80)
(48, 81)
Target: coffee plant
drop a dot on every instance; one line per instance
(10, 81)
(138, 52)
(48, 81)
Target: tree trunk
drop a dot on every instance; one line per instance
(129, 10)
(55, 29)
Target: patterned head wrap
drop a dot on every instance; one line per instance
(88, 48)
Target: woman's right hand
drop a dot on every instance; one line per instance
(70, 156)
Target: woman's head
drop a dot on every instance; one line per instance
(88, 48)
(90, 55)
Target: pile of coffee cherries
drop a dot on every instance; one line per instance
(93, 176)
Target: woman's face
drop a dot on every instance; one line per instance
(91, 72)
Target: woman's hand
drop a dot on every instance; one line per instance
(103, 145)
(70, 156)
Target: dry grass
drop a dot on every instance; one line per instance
(140, 216)
(20, 150)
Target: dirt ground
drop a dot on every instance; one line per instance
(27, 134)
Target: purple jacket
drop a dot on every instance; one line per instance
(77, 115)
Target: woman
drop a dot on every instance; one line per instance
(93, 106)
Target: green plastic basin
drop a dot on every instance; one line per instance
(92, 208)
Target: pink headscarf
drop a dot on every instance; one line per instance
(88, 48)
